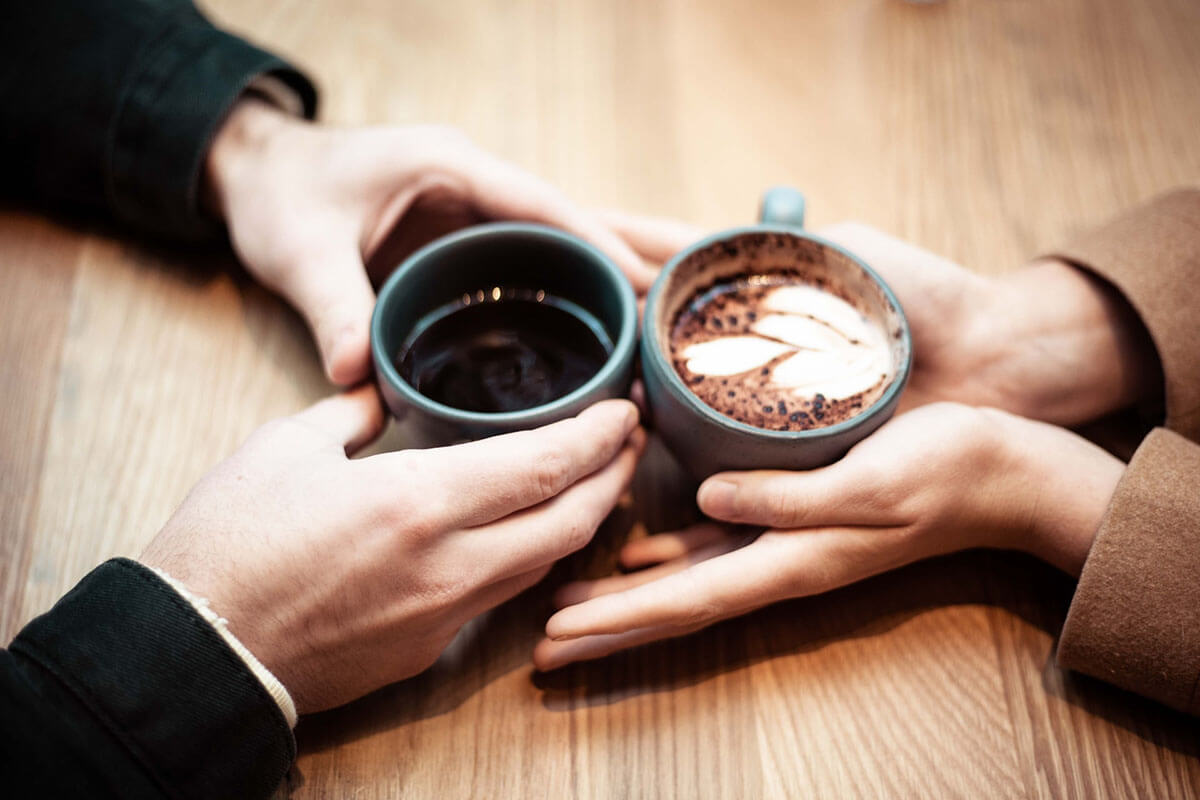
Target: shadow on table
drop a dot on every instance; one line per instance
(501, 642)
(1036, 593)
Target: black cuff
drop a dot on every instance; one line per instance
(178, 94)
(164, 683)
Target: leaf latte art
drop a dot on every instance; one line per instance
(775, 352)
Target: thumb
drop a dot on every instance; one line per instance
(352, 419)
(331, 290)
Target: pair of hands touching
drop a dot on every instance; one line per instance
(345, 575)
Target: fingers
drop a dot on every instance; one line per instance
(703, 593)
(656, 240)
(331, 290)
(351, 419)
(666, 546)
(579, 591)
(841, 494)
(776, 566)
(549, 654)
(501, 190)
(478, 482)
(541, 535)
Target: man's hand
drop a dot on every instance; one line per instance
(938, 479)
(306, 205)
(342, 576)
(1048, 341)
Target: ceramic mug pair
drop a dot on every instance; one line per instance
(533, 256)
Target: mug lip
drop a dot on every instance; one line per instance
(622, 348)
(676, 386)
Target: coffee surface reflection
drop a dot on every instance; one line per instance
(503, 349)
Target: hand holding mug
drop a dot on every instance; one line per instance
(306, 203)
(1048, 341)
(938, 479)
(342, 576)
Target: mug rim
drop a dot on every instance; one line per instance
(674, 383)
(622, 348)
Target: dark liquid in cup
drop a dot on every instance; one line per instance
(503, 350)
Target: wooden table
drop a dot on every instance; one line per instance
(984, 131)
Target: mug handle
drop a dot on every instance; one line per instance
(782, 205)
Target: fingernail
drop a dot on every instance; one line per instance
(629, 412)
(716, 498)
(637, 439)
(341, 344)
(552, 630)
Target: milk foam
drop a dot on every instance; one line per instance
(835, 351)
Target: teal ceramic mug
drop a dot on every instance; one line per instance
(475, 263)
(706, 441)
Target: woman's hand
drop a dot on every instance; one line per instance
(942, 478)
(306, 205)
(342, 576)
(1047, 341)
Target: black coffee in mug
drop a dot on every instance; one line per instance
(503, 349)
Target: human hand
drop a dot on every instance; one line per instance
(1048, 341)
(306, 205)
(941, 478)
(342, 576)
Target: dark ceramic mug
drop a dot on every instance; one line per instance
(706, 441)
(474, 260)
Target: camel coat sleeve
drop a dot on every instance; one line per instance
(1135, 617)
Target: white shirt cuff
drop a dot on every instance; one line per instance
(272, 684)
(278, 93)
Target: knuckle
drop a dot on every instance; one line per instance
(967, 433)
(782, 505)
(887, 497)
(577, 533)
(418, 518)
(552, 472)
(448, 588)
(407, 466)
(877, 489)
(698, 607)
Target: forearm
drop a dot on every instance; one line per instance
(123, 690)
(109, 106)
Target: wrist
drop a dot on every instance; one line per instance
(277, 691)
(1058, 344)
(239, 145)
(1058, 487)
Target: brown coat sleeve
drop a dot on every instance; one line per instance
(1135, 618)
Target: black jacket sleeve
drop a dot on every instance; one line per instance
(123, 690)
(110, 105)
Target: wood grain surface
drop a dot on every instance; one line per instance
(987, 131)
